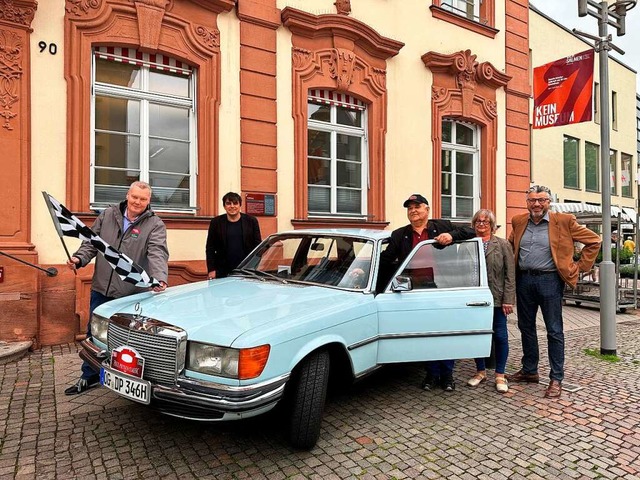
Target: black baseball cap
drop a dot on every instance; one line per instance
(415, 198)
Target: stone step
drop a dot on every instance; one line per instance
(13, 351)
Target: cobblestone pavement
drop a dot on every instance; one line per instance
(382, 428)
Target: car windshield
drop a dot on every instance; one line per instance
(326, 260)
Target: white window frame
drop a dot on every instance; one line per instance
(334, 129)
(454, 148)
(459, 7)
(145, 97)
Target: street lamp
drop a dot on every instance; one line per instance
(613, 15)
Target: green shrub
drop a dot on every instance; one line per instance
(626, 271)
(625, 256)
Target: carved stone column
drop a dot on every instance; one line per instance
(18, 292)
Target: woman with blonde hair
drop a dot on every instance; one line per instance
(502, 283)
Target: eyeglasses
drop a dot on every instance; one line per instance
(482, 222)
(533, 201)
(231, 203)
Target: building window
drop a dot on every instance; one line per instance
(144, 128)
(571, 171)
(460, 170)
(591, 166)
(626, 174)
(596, 102)
(337, 155)
(613, 171)
(614, 110)
(474, 15)
(465, 8)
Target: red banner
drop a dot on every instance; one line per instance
(562, 91)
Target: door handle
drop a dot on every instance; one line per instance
(478, 304)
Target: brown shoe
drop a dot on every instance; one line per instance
(554, 390)
(521, 377)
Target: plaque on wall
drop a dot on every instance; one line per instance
(260, 204)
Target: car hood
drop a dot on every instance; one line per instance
(219, 311)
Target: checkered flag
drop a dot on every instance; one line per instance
(67, 224)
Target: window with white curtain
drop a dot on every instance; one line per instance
(337, 155)
(144, 128)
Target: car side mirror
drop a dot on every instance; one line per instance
(401, 283)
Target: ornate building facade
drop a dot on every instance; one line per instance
(320, 113)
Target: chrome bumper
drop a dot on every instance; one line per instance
(200, 400)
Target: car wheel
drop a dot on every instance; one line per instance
(307, 396)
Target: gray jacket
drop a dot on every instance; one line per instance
(501, 271)
(145, 242)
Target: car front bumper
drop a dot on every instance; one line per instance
(201, 400)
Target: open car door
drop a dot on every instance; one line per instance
(438, 305)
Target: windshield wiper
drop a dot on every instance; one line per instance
(259, 274)
(244, 271)
(271, 275)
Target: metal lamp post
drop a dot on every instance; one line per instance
(614, 15)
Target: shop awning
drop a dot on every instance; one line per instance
(586, 212)
(630, 212)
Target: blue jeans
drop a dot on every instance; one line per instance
(500, 341)
(440, 368)
(544, 291)
(97, 299)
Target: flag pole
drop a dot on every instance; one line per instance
(66, 250)
(56, 224)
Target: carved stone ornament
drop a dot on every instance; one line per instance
(210, 38)
(10, 73)
(438, 92)
(341, 67)
(380, 77)
(20, 14)
(155, 3)
(343, 7)
(491, 107)
(468, 73)
(82, 7)
(466, 65)
(301, 58)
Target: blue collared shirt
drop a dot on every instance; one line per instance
(535, 249)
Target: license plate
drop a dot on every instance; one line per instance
(125, 385)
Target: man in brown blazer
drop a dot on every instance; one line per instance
(543, 243)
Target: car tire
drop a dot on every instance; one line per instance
(307, 398)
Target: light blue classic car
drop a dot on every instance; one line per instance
(304, 306)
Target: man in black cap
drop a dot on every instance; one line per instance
(402, 241)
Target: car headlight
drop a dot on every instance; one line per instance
(99, 327)
(243, 364)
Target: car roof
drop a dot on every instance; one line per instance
(367, 233)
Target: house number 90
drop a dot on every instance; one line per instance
(52, 47)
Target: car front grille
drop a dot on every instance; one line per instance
(163, 354)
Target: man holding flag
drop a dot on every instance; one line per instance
(134, 230)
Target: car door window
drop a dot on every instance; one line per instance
(431, 265)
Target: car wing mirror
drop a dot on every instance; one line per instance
(401, 283)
